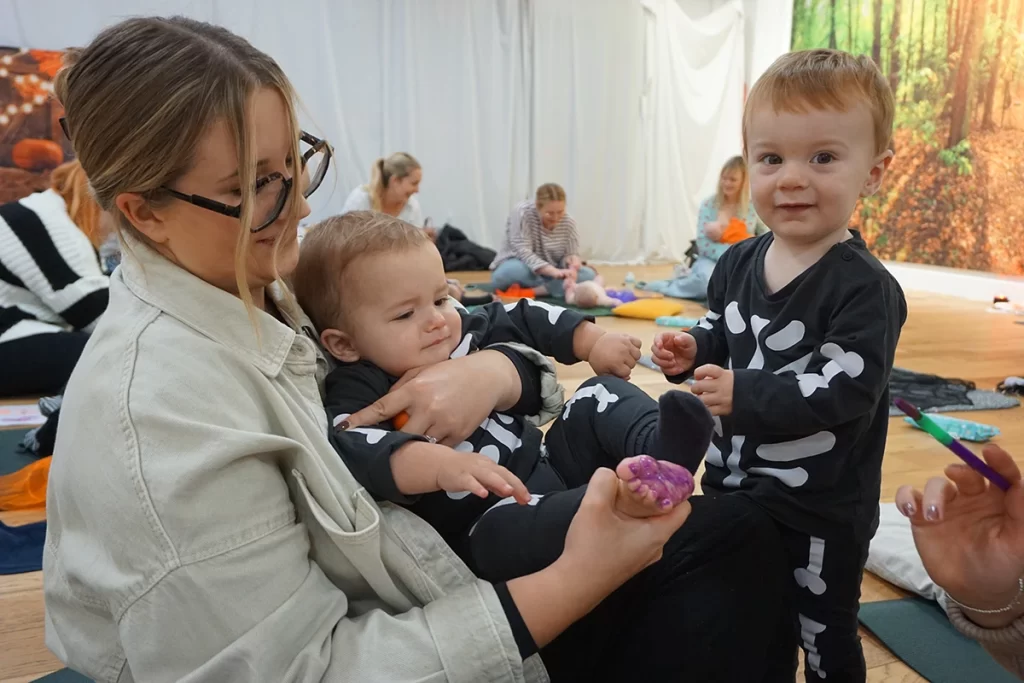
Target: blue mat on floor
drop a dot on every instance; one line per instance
(918, 632)
(63, 676)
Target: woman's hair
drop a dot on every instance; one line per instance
(736, 163)
(140, 97)
(331, 246)
(69, 181)
(397, 166)
(550, 192)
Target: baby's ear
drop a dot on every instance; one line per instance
(339, 345)
(877, 173)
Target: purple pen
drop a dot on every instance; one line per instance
(947, 440)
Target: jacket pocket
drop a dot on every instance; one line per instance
(350, 557)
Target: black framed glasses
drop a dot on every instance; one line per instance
(272, 191)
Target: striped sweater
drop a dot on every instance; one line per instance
(527, 240)
(50, 277)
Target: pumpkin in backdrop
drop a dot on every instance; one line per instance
(37, 155)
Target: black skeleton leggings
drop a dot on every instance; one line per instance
(605, 421)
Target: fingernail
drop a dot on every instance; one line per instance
(908, 509)
(932, 513)
(343, 426)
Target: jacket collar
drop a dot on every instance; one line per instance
(214, 313)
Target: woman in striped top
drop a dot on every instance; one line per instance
(541, 246)
(52, 290)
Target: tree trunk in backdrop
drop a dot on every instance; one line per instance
(850, 36)
(920, 47)
(832, 25)
(1011, 74)
(894, 47)
(876, 41)
(960, 120)
(993, 78)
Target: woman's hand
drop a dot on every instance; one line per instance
(970, 535)
(573, 262)
(713, 230)
(586, 572)
(449, 400)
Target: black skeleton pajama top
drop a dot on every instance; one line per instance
(509, 439)
(811, 367)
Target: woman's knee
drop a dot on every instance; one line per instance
(512, 272)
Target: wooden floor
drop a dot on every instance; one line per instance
(944, 336)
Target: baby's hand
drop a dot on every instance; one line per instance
(478, 474)
(674, 352)
(615, 354)
(713, 386)
(713, 231)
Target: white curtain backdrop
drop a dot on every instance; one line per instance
(630, 104)
(693, 119)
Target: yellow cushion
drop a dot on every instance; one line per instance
(648, 309)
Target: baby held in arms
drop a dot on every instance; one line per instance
(375, 288)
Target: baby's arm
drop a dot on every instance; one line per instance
(845, 377)
(398, 466)
(566, 335)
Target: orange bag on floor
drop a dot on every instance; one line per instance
(735, 231)
(26, 488)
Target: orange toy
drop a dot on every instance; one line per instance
(400, 420)
(26, 488)
(735, 231)
(514, 293)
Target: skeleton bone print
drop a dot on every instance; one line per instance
(789, 336)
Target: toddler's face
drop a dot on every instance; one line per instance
(807, 169)
(399, 315)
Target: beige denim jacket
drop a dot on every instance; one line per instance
(201, 527)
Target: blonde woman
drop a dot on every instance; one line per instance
(201, 526)
(52, 289)
(541, 249)
(730, 203)
(392, 189)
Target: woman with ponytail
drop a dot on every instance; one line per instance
(52, 290)
(394, 182)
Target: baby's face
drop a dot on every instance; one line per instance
(399, 314)
(808, 169)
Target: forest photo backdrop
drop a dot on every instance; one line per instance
(954, 195)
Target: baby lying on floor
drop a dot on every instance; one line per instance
(375, 288)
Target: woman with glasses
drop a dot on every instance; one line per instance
(201, 526)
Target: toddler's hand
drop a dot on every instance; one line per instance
(615, 354)
(674, 352)
(478, 474)
(714, 388)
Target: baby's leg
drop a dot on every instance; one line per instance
(511, 540)
(608, 419)
(827, 573)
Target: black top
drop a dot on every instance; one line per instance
(811, 367)
(510, 439)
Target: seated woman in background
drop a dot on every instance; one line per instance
(52, 290)
(541, 246)
(724, 218)
(393, 185)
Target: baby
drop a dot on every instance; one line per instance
(794, 355)
(375, 288)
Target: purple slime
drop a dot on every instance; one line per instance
(671, 483)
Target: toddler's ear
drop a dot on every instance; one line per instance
(339, 345)
(877, 173)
